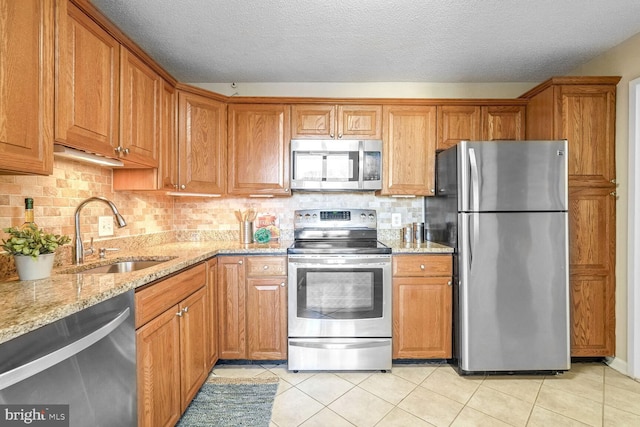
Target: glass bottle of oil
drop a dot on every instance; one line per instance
(29, 219)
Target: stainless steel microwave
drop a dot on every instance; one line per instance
(336, 165)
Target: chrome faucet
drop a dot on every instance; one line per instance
(79, 252)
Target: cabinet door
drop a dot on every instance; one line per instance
(422, 320)
(258, 150)
(359, 122)
(193, 343)
(267, 318)
(457, 123)
(588, 122)
(158, 367)
(315, 121)
(201, 144)
(592, 267)
(168, 167)
(409, 150)
(212, 313)
(87, 83)
(26, 87)
(140, 90)
(503, 122)
(231, 308)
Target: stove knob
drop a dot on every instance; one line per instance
(372, 217)
(363, 216)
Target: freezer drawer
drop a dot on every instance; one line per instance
(513, 295)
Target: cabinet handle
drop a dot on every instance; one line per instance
(185, 309)
(613, 193)
(118, 149)
(240, 262)
(421, 266)
(282, 284)
(179, 314)
(449, 283)
(125, 151)
(331, 135)
(182, 187)
(432, 190)
(265, 267)
(339, 136)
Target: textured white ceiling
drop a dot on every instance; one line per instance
(218, 41)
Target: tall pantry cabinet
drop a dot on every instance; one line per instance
(582, 110)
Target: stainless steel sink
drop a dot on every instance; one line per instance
(123, 266)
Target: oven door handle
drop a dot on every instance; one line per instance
(339, 346)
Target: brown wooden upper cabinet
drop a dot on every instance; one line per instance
(474, 122)
(87, 83)
(202, 150)
(581, 110)
(258, 150)
(409, 149)
(26, 82)
(107, 101)
(167, 177)
(503, 122)
(321, 121)
(140, 98)
(457, 123)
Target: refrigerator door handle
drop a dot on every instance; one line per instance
(474, 225)
(475, 195)
(475, 181)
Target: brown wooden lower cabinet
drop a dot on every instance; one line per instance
(252, 307)
(592, 270)
(171, 333)
(212, 313)
(422, 301)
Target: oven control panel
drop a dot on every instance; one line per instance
(338, 218)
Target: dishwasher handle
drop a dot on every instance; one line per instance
(22, 372)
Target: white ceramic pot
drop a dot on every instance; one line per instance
(30, 268)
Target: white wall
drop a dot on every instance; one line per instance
(373, 90)
(623, 60)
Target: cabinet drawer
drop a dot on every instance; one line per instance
(422, 265)
(266, 266)
(156, 298)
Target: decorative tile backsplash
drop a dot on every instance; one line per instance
(57, 196)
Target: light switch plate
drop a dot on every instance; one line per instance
(396, 220)
(105, 226)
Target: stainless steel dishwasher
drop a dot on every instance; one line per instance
(86, 360)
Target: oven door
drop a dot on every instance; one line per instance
(339, 296)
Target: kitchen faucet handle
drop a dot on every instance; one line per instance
(102, 252)
(90, 250)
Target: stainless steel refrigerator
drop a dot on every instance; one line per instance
(503, 206)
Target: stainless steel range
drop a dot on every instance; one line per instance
(339, 292)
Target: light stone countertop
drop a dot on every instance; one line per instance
(28, 305)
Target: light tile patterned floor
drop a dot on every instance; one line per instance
(591, 394)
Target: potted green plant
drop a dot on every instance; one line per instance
(33, 250)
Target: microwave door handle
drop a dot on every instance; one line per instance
(360, 164)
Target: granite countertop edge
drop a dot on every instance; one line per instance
(28, 305)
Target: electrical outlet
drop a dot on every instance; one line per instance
(396, 220)
(105, 226)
